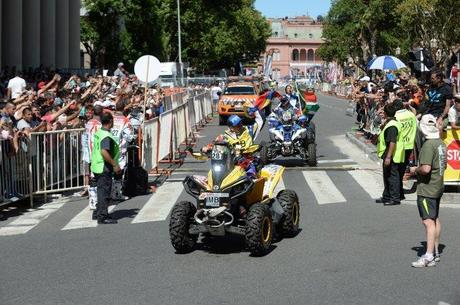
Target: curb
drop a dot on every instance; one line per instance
(369, 150)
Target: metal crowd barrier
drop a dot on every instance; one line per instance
(51, 162)
(55, 157)
(14, 171)
(163, 135)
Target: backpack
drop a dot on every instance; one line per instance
(136, 181)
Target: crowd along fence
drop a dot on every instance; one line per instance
(51, 162)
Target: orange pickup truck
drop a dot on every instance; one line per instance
(236, 97)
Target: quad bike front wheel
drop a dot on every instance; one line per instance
(222, 120)
(179, 225)
(311, 149)
(290, 203)
(264, 153)
(259, 229)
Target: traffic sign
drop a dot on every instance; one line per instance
(147, 68)
(453, 154)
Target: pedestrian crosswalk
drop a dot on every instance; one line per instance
(158, 206)
(327, 187)
(323, 188)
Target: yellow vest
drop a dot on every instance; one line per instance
(398, 153)
(408, 127)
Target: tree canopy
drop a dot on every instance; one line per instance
(361, 28)
(215, 33)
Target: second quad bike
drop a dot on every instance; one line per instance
(290, 136)
(228, 201)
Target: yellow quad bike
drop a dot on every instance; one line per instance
(230, 202)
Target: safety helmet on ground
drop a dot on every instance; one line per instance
(234, 121)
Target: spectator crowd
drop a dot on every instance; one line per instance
(41, 100)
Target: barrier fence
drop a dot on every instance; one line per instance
(163, 135)
(51, 162)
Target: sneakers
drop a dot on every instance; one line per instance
(437, 258)
(106, 220)
(424, 262)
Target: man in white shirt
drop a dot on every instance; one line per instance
(215, 95)
(16, 86)
(454, 113)
(120, 72)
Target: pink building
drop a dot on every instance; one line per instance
(294, 42)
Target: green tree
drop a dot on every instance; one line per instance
(215, 33)
(100, 31)
(425, 20)
(218, 33)
(359, 29)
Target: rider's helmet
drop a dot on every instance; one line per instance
(234, 121)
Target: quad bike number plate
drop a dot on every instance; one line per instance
(213, 200)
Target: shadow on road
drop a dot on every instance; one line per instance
(422, 248)
(129, 213)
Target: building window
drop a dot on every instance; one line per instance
(310, 35)
(275, 34)
(295, 35)
(303, 55)
(277, 55)
(310, 55)
(295, 55)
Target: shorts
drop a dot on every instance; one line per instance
(215, 101)
(428, 208)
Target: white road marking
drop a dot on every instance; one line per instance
(323, 188)
(335, 161)
(84, 219)
(158, 206)
(368, 182)
(31, 219)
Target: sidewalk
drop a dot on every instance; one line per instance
(451, 194)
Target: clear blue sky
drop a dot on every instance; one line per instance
(291, 8)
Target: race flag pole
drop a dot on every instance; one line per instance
(145, 91)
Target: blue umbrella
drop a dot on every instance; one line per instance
(386, 62)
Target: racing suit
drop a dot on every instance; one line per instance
(244, 139)
(122, 132)
(87, 138)
(294, 100)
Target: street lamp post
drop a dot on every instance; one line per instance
(179, 43)
(398, 51)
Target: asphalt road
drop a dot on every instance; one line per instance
(350, 250)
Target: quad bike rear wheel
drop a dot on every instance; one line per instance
(179, 225)
(290, 203)
(259, 229)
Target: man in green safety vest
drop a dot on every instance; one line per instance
(104, 163)
(390, 147)
(408, 122)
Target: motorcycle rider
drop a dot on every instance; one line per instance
(239, 137)
(286, 106)
(123, 133)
